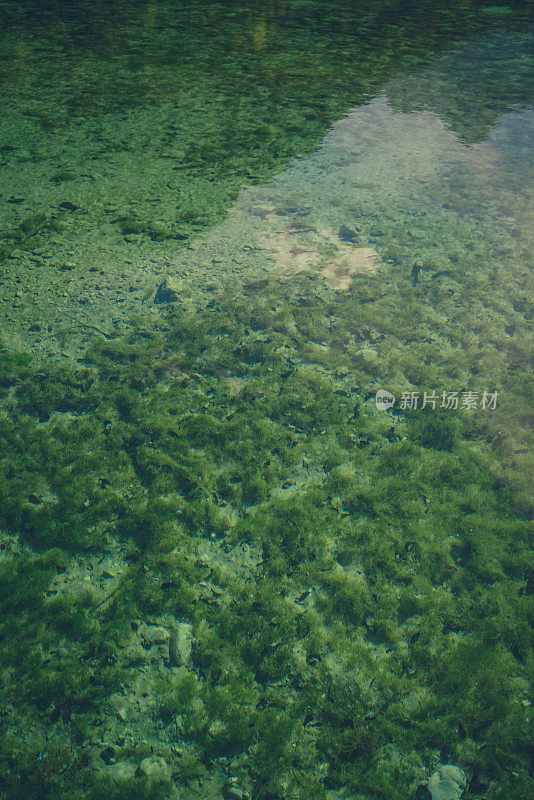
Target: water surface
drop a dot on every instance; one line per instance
(225, 570)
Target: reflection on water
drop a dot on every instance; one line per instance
(226, 569)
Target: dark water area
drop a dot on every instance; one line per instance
(266, 400)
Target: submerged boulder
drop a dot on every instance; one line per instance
(447, 783)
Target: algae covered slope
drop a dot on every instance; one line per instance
(225, 570)
(355, 585)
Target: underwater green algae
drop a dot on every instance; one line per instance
(390, 616)
(197, 101)
(387, 624)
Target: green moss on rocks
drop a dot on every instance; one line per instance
(391, 602)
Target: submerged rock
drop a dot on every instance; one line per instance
(154, 768)
(180, 644)
(447, 783)
(347, 235)
(169, 290)
(153, 634)
(121, 772)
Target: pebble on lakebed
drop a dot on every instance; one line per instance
(180, 644)
(447, 783)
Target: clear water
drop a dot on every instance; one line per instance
(226, 569)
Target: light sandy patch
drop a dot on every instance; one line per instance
(320, 251)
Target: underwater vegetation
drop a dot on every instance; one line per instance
(199, 116)
(214, 550)
(386, 622)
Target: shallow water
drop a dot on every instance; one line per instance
(225, 569)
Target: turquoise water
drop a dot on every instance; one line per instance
(228, 570)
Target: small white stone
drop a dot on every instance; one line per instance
(447, 783)
(121, 772)
(180, 643)
(217, 727)
(154, 634)
(154, 767)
